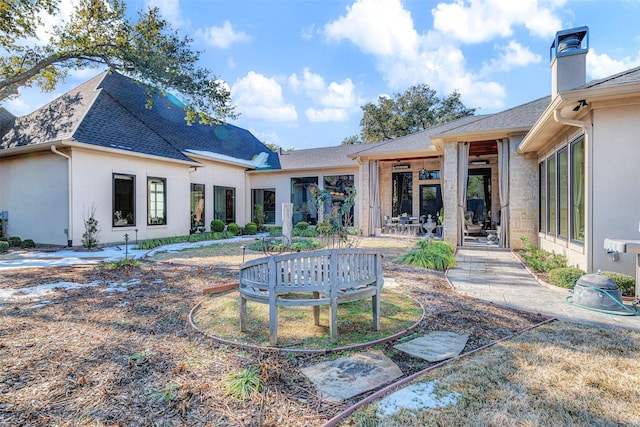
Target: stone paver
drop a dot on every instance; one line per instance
(435, 346)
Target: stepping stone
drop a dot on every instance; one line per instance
(416, 397)
(349, 376)
(435, 346)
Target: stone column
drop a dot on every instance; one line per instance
(287, 222)
(450, 192)
(523, 195)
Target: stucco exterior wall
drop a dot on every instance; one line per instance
(616, 192)
(33, 189)
(92, 186)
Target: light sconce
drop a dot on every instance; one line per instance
(581, 104)
(399, 167)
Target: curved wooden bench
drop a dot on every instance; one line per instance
(323, 277)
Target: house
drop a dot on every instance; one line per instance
(98, 150)
(559, 170)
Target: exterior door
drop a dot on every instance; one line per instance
(430, 200)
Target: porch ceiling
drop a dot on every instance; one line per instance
(481, 148)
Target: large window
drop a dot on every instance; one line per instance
(402, 193)
(577, 190)
(224, 204)
(562, 179)
(338, 186)
(197, 208)
(265, 197)
(156, 201)
(304, 207)
(124, 196)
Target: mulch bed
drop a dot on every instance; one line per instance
(121, 352)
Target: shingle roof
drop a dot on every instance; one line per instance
(319, 158)
(626, 77)
(110, 111)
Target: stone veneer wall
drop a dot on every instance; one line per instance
(450, 192)
(523, 192)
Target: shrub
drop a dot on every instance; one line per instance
(275, 231)
(91, 230)
(539, 259)
(432, 255)
(233, 228)
(251, 228)
(28, 243)
(305, 232)
(15, 241)
(302, 225)
(626, 283)
(217, 225)
(4, 246)
(565, 277)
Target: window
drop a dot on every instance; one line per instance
(577, 190)
(402, 193)
(562, 189)
(542, 214)
(156, 201)
(124, 196)
(551, 195)
(197, 208)
(339, 187)
(224, 204)
(304, 207)
(267, 199)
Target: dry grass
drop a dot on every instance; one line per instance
(558, 374)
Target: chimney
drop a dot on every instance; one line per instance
(568, 55)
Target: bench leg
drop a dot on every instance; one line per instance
(243, 314)
(333, 321)
(375, 304)
(273, 322)
(316, 310)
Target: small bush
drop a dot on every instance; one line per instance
(217, 225)
(565, 277)
(432, 255)
(243, 384)
(275, 231)
(28, 243)
(626, 283)
(233, 228)
(251, 228)
(305, 232)
(302, 225)
(15, 241)
(4, 246)
(539, 259)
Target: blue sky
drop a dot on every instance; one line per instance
(299, 70)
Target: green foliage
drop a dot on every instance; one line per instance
(28, 243)
(233, 228)
(217, 225)
(302, 225)
(243, 384)
(99, 34)
(199, 237)
(418, 108)
(15, 241)
(141, 356)
(275, 231)
(305, 232)
(626, 283)
(351, 140)
(276, 245)
(259, 216)
(565, 277)
(251, 228)
(166, 393)
(91, 230)
(121, 264)
(539, 259)
(432, 255)
(336, 228)
(305, 245)
(4, 246)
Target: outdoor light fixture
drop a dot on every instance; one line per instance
(397, 167)
(581, 104)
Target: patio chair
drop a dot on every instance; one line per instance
(469, 226)
(389, 226)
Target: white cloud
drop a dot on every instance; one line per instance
(511, 56)
(259, 97)
(475, 21)
(600, 66)
(383, 28)
(170, 10)
(222, 37)
(326, 115)
(335, 95)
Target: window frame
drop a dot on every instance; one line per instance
(156, 220)
(122, 219)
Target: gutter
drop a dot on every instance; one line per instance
(588, 155)
(69, 197)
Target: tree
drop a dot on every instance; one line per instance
(99, 34)
(418, 108)
(351, 140)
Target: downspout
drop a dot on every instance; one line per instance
(70, 195)
(588, 153)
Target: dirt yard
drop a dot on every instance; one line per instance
(114, 348)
